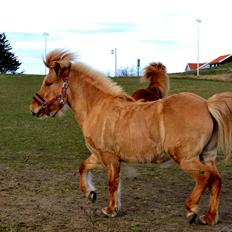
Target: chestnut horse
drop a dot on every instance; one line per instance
(159, 83)
(116, 128)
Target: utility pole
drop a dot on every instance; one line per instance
(45, 34)
(114, 52)
(198, 44)
(138, 67)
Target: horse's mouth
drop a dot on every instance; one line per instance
(41, 113)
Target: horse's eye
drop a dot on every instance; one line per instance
(47, 83)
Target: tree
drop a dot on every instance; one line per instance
(127, 72)
(8, 61)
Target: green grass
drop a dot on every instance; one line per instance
(58, 143)
(39, 161)
(24, 138)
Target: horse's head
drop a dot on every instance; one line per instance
(51, 97)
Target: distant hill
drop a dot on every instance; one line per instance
(222, 72)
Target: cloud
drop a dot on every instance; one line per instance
(161, 42)
(106, 27)
(23, 36)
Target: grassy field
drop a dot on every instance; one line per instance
(39, 161)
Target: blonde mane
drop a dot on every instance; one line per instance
(99, 80)
(88, 74)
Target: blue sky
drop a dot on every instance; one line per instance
(149, 30)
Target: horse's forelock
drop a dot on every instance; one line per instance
(59, 56)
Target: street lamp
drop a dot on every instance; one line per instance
(45, 34)
(114, 52)
(198, 21)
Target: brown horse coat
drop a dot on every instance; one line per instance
(184, 127)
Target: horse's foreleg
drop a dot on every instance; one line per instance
(201, 174)
(113, 174)
(86, 185)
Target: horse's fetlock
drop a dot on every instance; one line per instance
(109, 212)
(82, 189)
(209, 219)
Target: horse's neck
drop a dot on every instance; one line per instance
(82, 98)
(160, 85)
(153, 85)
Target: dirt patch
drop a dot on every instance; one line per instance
(152, 200)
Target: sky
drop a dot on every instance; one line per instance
(150, 30)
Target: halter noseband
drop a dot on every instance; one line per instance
(45, 104)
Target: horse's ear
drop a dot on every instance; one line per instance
(57, 68)
(62, 69)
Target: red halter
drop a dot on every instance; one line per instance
(45, 104)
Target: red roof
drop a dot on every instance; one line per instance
(193, 66)
(219, 59)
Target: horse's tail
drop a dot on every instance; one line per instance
(220, 107)
(157, 73)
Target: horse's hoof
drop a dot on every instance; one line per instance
(205, 220)
(110, 213)
(192, 218)
(92, 196)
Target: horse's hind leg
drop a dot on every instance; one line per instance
(201, 175)
(208, 157)
(215, 183)
(205, 175)
(86, 185)
(113, 174)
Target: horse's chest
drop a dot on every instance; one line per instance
(100, 134)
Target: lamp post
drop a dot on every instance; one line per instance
(45, 34)
(114, 52)
(198, 21)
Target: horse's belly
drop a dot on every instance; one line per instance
(144, 157)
